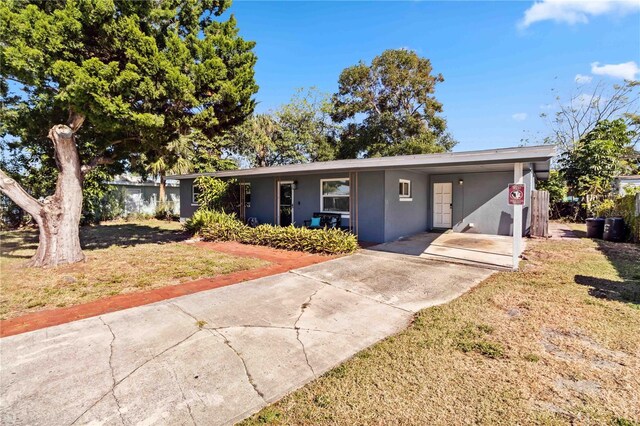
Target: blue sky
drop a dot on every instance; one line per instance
(499, 59)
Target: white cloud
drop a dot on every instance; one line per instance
(626, 70)
(519, 116)
(546, 106)
(575, 11)
(583, 79)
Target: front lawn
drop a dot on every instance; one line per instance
(122, 257)
(558, 343)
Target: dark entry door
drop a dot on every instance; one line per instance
(285, 203)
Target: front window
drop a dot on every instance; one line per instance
(195, 192)
(334, 195)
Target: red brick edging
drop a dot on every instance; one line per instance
(281, 261)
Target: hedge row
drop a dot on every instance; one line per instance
(215, 226)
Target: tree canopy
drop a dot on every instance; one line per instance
(390, 107)
(299, 131)
(261, 142)
(604, 152)
(574, 117)
(138, 72)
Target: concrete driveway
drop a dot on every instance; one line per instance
(484, 250)
(218, 356)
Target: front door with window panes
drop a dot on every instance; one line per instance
(245, 200)
(285, 203)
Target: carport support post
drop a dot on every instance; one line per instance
(517, 219)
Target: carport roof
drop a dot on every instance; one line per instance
(536, 158)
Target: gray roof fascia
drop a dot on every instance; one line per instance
(531, 154)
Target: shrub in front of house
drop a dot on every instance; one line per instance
(216, 226)
(204, 217)
(326, 241)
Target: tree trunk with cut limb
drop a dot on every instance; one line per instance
(57, 216)
(163, 189)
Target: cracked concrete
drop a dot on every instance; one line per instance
(113, 376)
(244, 363)
(295, 326)
(217, 356)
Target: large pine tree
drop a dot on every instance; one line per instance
(92, 82)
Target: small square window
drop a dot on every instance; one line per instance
(404, 188)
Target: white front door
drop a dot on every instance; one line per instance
(442, 203)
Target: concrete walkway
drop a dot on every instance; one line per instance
(561, 231)
(217, 356)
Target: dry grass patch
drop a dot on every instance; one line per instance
(558, 343)
(122, 257)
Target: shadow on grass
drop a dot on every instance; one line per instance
(127, 235)
(22, 244)
(24, 240)
(622, 291)
(625, 258)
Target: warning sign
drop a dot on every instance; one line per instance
(516, 193)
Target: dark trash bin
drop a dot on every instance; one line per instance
(595, 227)
(613, 229)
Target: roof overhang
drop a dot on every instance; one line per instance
(536, 158)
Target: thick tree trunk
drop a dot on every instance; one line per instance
(58, 216)
(163, 189)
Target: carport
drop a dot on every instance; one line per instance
(482, 250)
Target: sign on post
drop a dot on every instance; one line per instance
(516, 199)
(516, 194)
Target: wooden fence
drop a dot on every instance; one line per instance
(540, 213)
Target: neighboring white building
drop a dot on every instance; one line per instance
(620, 183)
(141, 196)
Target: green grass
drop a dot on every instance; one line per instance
(521, 348)
(122, 257)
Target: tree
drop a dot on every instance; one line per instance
(261, 141)
(591, 164)
(125, 78)
(306, 122)
(172, 158)
(584, 110)
(395, 98)
(210, 154)
(555, 185)
(297, 132)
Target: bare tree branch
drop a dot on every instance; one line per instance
(13, 190)
(104, 159)
(580, 114)
(97, 161)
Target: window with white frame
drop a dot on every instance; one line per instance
(334, 195)
(404, 188)
(195, 191)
